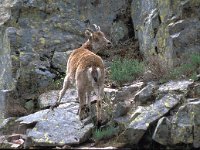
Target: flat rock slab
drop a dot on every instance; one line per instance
(140, 123)
(179, 86)
(49, 98)
(59, 127)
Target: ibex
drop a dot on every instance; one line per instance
(86, 69)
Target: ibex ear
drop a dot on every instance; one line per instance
(88, 34)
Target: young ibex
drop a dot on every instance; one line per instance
(87, 70)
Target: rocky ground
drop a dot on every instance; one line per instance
(143, 115)
(36, 38)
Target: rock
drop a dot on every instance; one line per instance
(4, 144)
(11, 104)
(59, 60)
(121, 109)
(49, 98)
(175, 86)
(6, 80)
(147, 93)
(2, 105)
(119, 32)
(33, 75)
(162, 133)
(140, 123)
(183, 127)
(194, 91)
(125, 93)
(182, 32)
(29, 105)
(12, 141)
(187, 119)
(164, 28)
(7, 126)
(59, 127)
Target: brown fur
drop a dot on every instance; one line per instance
(86, 69)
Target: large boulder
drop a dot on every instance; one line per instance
(49, 98)
(182, 128)
(147, 93)
(123, 94)
(140, 120)
(58, 127)
(165, 28)
(181, 86)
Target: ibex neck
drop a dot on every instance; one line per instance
(87, 45)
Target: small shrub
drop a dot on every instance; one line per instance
(106, 133)
(195, 59)
(188, 68)
(157, 66)
(125, 70)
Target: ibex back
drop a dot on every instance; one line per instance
(86, 69)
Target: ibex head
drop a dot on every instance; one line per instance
(97, 39)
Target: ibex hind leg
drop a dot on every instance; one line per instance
(66, 84)
(83, 110)
(82, 99)
(89, 107)
(100, 95)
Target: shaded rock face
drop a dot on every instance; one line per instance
(41, 34)
(182, 128)
(165, 28)
(141, 121)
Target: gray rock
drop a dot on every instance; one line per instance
(164, 29)
(49, 98)
(13, 141)
(2, 105)
(126, 93)
(121, 109)
(182, 32)
(196, 140)
(29, 105)
(10, 104)
(59, 60)
(175, 86)
(194, 91)
(146, 93)
(183, 127)
(6, 79)
(162, 133)
(186, 119)
(140, 123)
(7, 126)
(59, 127)
(119, 32)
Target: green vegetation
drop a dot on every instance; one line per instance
(188, 68)
(106, 133)
(125, 70)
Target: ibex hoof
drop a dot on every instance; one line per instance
(54, 106)
(99, 123)
(84, 112)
